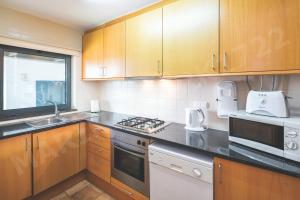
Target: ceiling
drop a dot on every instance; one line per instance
(78, 14)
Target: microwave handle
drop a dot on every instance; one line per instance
(138, 154)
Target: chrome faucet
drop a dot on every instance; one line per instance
(57, 113)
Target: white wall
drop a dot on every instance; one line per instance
(28, 28)
(22, 30)
(167, 99)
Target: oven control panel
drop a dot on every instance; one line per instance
(292, 142)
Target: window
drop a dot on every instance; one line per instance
(30, 78)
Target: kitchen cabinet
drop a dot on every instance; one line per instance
(114, 50)
(133, 194)
(235, 181)
(191, 37)
(144, 44)
(82, 145)
(15, 167)
(92, 55)
(55, 156)
(259, 36)
(99, 151)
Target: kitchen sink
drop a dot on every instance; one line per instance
(47, 122)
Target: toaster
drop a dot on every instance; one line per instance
(269, 103)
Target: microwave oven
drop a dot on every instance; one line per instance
(278, 136)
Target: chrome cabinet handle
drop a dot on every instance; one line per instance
(37, 142)
(158, 66)
(26, 144)
(225, 61)
(104, 71)
(213, 62)
(127, 192)
(220, 173)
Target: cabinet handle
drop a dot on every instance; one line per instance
(213, 62)
(100, 130)
(127, 192)
(26, 144)
(158, 66)
(37, 142)
(104, 71)
(220, 173)
(225, 61)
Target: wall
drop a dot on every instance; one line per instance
(22, 30)
(28, 28)
(167, 99)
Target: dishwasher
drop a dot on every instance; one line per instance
(179, 174)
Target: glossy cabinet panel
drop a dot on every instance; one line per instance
(259, 36)
(236, 181)
(15, 167)
(191, 37)
(114, 50)
(92, 55)
(56, 156)
(144, 44)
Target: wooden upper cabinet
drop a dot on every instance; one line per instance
(235, 181)
(114, 50)
(191, 37)
(56, 156)
(15, 167)
(144, 44)
(92, 55)
(258, 36)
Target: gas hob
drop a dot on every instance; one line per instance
(142, 124)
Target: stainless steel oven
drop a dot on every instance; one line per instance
(130, 160)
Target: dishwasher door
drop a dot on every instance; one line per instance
(173, 177)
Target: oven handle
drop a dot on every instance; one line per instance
(138, 154)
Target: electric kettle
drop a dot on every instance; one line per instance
(194, 119)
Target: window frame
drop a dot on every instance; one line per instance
(34, 111)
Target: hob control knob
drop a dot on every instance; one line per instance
(139, 142)
(292, 145)
(143, 143)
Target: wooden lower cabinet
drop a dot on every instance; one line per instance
(82, 146)
(128, 190)
(15, 167)
(98, 151)
(98, 166)
(55, 156)
(236, 181)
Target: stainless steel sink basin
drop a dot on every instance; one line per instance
(47, 122)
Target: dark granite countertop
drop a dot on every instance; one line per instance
(211, 142)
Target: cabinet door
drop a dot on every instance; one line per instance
(82, 145)
(259, 36)
(15, 167)
(56, 156)
(235, 181)
(92, 55)
(114, 50)
(191, 37)
(144, 44)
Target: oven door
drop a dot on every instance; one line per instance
(130, 166)
(261, 136)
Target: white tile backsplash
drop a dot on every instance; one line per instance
(167, 99)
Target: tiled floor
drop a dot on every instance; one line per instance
(83, 191)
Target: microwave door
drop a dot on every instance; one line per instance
(265, 137)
